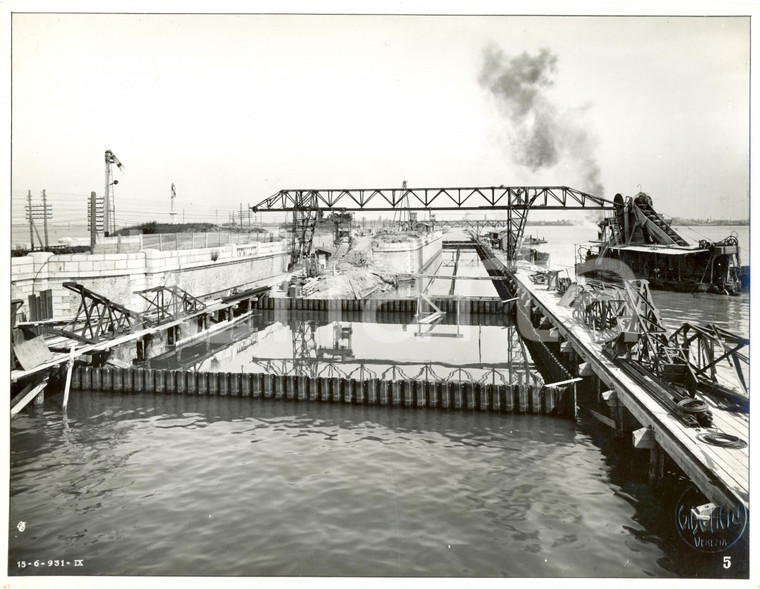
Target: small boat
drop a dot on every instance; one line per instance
(533, 256)
(530, 240)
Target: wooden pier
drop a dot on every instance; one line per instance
(721, 473)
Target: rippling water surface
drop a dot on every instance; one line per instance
(152, 485)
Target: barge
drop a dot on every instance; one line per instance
(635, 241)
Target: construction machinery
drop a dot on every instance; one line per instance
(637, 236)
(514, 201)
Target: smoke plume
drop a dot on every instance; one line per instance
(540, 133)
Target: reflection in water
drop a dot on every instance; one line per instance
(319, 345)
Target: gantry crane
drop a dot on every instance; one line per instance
(515, 201)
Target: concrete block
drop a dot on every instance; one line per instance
(71, 267)
(643, 438)
(585, 369)
(610, 397)
(40, 257)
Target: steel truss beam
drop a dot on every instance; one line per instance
(706, 347)
(166, 303)
(422, 199)
(515, 200)
(478, 225)
(98, 318)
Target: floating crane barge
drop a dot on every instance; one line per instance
(635, 241)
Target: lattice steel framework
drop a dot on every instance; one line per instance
(166, 303)
(477, 225)
(304, 224)
(520, 366)
(707, 347)
(516, 201)
(395, 370)
(98, 318)
(629, 323)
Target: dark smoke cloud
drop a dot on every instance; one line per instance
(541, 134)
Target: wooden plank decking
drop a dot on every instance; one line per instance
(722, 474)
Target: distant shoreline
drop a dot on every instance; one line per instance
(711, 223)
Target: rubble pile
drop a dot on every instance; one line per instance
(355, 275)
(395, 237)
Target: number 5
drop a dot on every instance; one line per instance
(726, 562)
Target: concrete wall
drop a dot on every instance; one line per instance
(130, 244)
(413, 256)
(116, 276)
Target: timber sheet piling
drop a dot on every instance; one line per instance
(405, 393)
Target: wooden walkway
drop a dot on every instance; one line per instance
(722, 474)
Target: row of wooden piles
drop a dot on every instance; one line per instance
(499, 398)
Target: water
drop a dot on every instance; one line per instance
(317, 345)
(144, 485)
(174, 485)
(467, 266)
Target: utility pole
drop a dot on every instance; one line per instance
(45, 216)
(107, 196)
(241, 216)
(93, 221)
(249, 217)
(31, 221)
(109, 210)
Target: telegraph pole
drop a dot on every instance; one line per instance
(241, 216)
(93, 221)
(31, 221)
(45, 216)
(107, 197)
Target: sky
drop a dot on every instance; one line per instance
(232, 109)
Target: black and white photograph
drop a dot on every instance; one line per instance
(384, 293)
